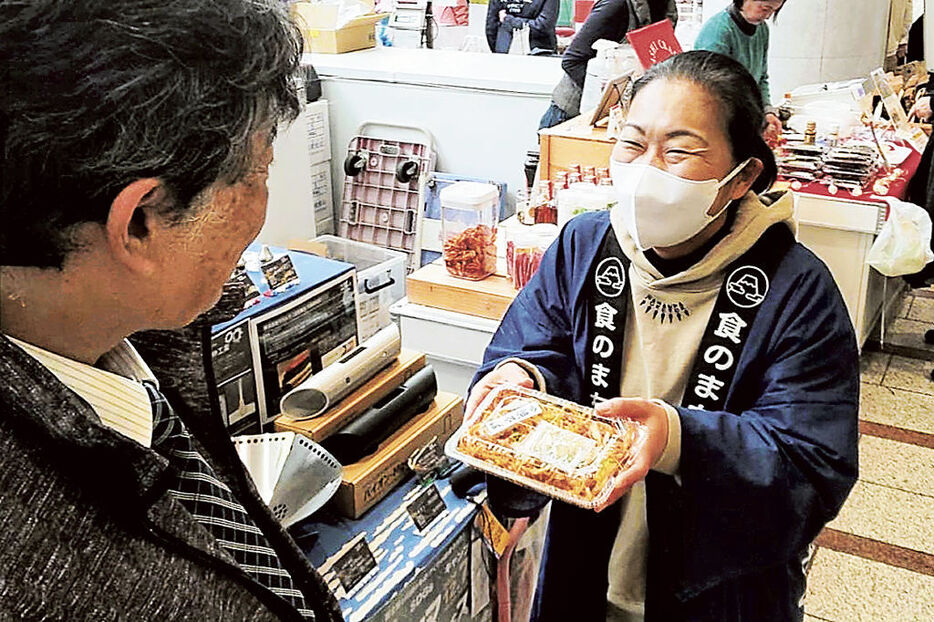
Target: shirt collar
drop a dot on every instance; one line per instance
(113, 388)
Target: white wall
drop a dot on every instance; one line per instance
(482, 109)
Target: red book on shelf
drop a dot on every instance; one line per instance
(654, 43)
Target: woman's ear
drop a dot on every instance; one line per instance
(746, 178)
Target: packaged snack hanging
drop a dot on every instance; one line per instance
(469, 213)
(525, 247)
(547, 444)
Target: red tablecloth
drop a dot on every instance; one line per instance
(897, 189)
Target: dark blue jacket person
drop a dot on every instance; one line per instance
(733, 347)
(504, 17)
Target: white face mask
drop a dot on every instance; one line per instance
(661, 209)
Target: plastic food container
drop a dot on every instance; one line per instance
(525, 247)
(469, 212)
(581, 198)
(547, 444)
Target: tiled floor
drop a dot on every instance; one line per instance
(875, 561)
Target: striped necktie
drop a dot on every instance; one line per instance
(211, 502)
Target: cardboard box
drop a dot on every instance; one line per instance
(321, 200)
(318, 22)
(232, 358)
(319, 134)
(286, 337)
(438, 591)
(366, 482)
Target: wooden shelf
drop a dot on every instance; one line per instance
(573, 142)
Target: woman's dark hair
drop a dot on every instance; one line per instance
(95, 94)
(738, 4)
(739, 97)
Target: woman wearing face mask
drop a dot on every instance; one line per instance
(740, 32)
(726, 338)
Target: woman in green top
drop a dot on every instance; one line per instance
(740, 32)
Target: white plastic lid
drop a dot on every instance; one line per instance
(469, 195)
(535, 236)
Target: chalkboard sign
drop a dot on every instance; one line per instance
(426, 507)
(354, 564)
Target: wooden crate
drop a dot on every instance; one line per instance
(573, 142)
(433, 286)
(355, 404)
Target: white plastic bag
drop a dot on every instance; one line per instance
(903, 246)
(520, 41)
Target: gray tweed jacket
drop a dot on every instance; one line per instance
(88, 531)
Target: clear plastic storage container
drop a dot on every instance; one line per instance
(581, 198)
(469, 214)
(525, 247)
(380, 279)
(547, 444)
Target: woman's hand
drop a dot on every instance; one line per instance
(773, 126)
(502, 15)
(921, 109)
(655, 419)
(509, 373)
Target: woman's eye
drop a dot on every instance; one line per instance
(631, 144)
(678, 154)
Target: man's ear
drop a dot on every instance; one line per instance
(130, 221)
(745, 178)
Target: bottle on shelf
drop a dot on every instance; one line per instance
(545, 208)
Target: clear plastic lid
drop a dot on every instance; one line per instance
(547, 444)
(538, 236)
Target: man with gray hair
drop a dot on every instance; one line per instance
(136, 137)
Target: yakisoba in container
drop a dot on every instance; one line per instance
(547, 444)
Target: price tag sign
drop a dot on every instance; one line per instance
(354, 564)
(280, 273)
(426, 507)
(248, 287)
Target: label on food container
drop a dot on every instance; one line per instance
(560, 448)
(509, 413)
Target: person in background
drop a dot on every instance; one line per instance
(921, 186)
(610, 20)
(630, 310)
(900, 17)
(504, 17)
(136, 137)
(914, 49)
(740, 32)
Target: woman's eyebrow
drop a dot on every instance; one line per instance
(688, 133)
(672, 134)
(635, 127)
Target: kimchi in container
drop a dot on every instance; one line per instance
(469, 212)
(547, 444)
